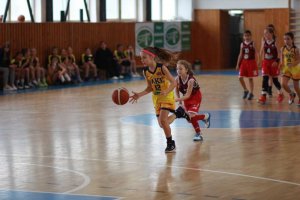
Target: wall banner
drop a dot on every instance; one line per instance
(174, 36)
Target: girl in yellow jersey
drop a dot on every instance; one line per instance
(161, 83)
(290, 66)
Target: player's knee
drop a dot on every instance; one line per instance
(163, 122)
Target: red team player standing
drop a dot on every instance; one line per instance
(270, 66)
(247, 65)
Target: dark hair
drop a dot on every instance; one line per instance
(291, 35)
(271, 26)
(18, 53)
(24, 51)
(164, 56)
(247, 32)
(187, 66)
(119, 45)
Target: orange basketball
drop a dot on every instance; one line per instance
(21, 18)
(120, 96)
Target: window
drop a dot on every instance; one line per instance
(121, 9)
(112, 9)
(58, 6)
(20, 7)
(74, 9)
(128, 9)
(156, 10)
(185, 10)
(171, 10)
(2, 7)
(168, 9)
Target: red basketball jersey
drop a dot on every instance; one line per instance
(183, 85)
(248, 51)
(270, 50)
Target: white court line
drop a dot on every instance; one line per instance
(170, 166)
(86, 178)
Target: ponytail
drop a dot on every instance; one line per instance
(163, 56)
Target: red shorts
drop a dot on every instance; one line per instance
(192, 104)
(268, 69)
(248, 69)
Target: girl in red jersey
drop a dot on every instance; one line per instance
(270, 67)
(246, 64)
(261, 54)
(189, 87)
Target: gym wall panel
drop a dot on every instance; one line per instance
(44, 36)
(257, 20)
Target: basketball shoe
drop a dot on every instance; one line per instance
(206, 120)
(292, 98)
(245, 94)
(280, 98)
(250, 97)
(171, 147)
(198, 137)
(262, 99)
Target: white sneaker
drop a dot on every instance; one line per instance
(14, 87)
(206, 120)
(121, 77)
(198, 137)
(7, 88)
(114, 78)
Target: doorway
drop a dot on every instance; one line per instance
(236, 30)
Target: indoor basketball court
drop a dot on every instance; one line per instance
(73, 142)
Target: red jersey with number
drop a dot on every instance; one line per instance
(192, 104)
(270, 50)
(248, 51)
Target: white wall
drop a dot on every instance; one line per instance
(240, 4)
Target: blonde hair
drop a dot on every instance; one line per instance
(186, 65)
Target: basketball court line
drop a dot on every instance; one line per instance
(223, 119)
(29, 195)
(169, 166)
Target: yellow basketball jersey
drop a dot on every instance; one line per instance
(289, 56)
(159, 82)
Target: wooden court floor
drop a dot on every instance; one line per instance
(74, 143)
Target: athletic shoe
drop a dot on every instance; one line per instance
(14, 87)
(292, 98)
(206, 120)
(180, 113)
(171, 147)
(245, 94)
(250, 97)
(298, 103)
(280, 98)
(8, 88)
(262, 99)
(198, 137)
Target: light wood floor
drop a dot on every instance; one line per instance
(75, 141)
